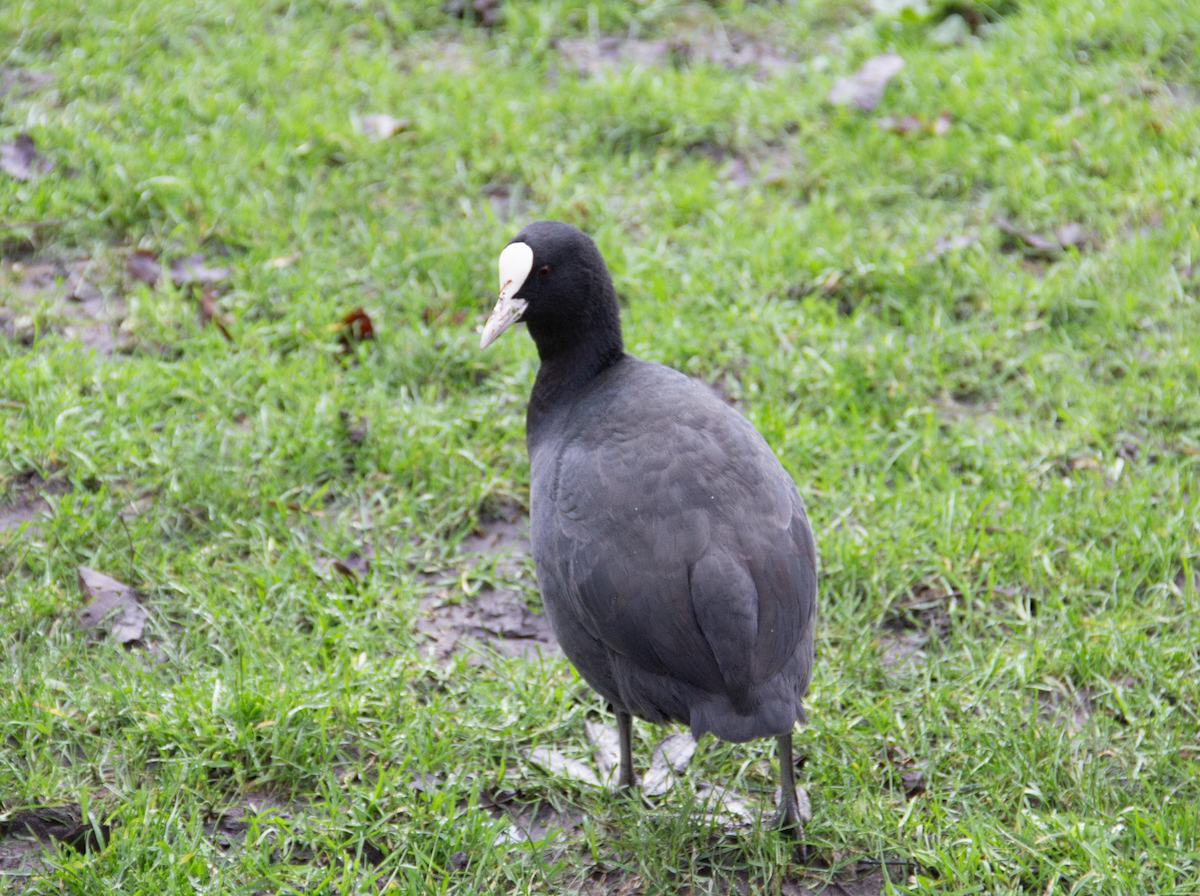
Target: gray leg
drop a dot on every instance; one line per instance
(789, 811)
(625, 735)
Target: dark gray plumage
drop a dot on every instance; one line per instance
(672, 550)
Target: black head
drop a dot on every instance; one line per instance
(553, 278)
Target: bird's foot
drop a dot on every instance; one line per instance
(788, 822)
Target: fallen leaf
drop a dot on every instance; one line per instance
(1067, 236)
(381, 127)
(946, 245)
(210, 312)
(904, 125)
(192, 270)
(426, 783)
(1084, 463)
(941, 124)
(952, 32)
(110, 598)
(804, 804)
(459, 861)
(356, 327)
(143, 265)
(283, 261)
(864, 89)
(21, 160)
(606, 750)
(669, 760)
(355, 566)
(555, 763)
(914, 782)
(725, 802)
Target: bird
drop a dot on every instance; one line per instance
(672, 551)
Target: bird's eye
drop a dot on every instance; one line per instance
(544, 271)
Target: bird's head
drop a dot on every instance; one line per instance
(553, 278)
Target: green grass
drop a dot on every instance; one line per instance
(998, 449)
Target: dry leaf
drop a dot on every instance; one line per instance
(143, 265)
(381, 127)
(283, 261)
(555, 763)
(946, 245)
(191, 270)
(864, 89)
(1067, 236)
(606, 750)
(210, 312)
(356, 327)
(670, 759)
(111, 599)
(725, 802)
(21, 160)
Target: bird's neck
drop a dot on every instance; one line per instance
(573, 353)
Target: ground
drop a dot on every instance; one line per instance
(960, 301)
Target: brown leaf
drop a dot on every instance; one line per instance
(355, 566)
(356, 327)
(864, 89)
(111, 599)
(21, 160)
(914, 782)
(1068, 236)
(143, 265)
(191, 270)
(210, 312)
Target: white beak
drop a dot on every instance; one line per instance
(516, 261)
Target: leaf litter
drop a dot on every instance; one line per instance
(456, 616)
(1049, 248)
(21, 160)
(865, 88)
(111, 602)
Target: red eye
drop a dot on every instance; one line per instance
(544, 271)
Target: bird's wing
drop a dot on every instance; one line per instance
(676, 542)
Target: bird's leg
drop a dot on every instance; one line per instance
(625, 735)
(789, 811)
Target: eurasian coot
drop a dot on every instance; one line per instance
(672, 550)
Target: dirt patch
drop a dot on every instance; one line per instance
(81, 312)
(916, 622)
(29, 503)
(227, 827)
(729, 50)
(980, 415)
(507, 202)
(27, 835)
(455, 616)
(1060, 707)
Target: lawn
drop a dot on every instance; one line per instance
(967, 321)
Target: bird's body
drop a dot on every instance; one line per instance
(672, 550)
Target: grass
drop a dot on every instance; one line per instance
(999, 451)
